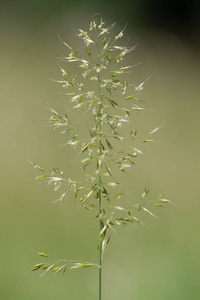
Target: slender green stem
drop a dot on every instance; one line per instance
(100, 254)
(100, 221)
(100, 225)
(99, 184)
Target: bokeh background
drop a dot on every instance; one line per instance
(159, 260)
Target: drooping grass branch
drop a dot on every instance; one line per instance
(100, 89)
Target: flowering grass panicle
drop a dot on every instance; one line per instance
(99, 88)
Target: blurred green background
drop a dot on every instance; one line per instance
(157, 261)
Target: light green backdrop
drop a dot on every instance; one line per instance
(157, 261)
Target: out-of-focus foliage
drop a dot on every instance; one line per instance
(164, 257)
(181, 17)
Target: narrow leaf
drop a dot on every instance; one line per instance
(37, 266)
(164, 200)
(112, 102)
(84, 147)
(36, 166)
(109, 170)
(80, 265)
(119, 208)
(147, 141)
(147, 211)
(103, 230)
(133, 134)
(42, 254)
(109, 144)
(88, 52)
(59, 269)
(146, 191)
(137, 220)
(50, 268)
(154, 131)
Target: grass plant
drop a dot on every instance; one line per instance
(100, 91)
